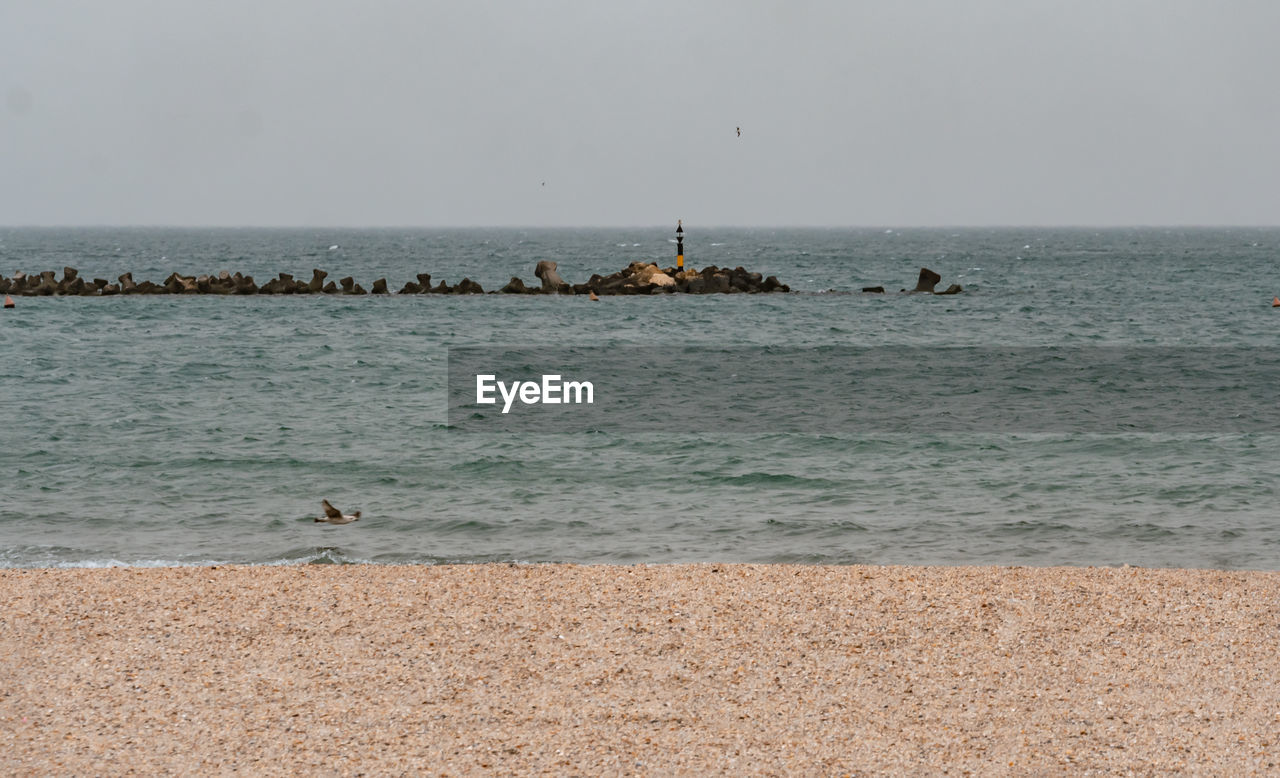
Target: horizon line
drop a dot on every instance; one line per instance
(885, 226)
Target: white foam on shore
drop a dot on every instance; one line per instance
(107, 563)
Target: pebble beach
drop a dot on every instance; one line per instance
(662, 669)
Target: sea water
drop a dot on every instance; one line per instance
(191, 430)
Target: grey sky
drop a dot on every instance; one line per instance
(317, 112)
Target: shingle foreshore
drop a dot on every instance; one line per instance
(667, 670)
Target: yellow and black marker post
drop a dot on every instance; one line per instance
(679, 246)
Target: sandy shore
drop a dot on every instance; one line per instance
(667, 669)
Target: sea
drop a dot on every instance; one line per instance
(198, 430)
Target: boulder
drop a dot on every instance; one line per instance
(285, 284)
(45, 286)
(467, 286)
(380, 286)
(423, 285)
(222, 284)
(516, 286)
(740, 281)
(953, 289)
(317, 280)
(927, 281)
(612, 284)
(873, 289)
(349, 286)
(642, 272)
(551, 280)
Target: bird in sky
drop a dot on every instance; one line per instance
(739, 132)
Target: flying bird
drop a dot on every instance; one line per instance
(334, 516)
(739, 132)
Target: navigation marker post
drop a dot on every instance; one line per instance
(679, 246)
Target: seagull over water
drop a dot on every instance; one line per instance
(334, 516)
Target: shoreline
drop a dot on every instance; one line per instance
(684, 668)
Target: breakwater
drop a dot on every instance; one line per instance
(636, 278)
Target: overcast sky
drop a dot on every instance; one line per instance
(327, 113)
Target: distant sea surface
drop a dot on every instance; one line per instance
(200, 430)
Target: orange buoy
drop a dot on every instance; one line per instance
(1275, 303)
(8, 301)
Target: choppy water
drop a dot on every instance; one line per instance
(145, 430)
